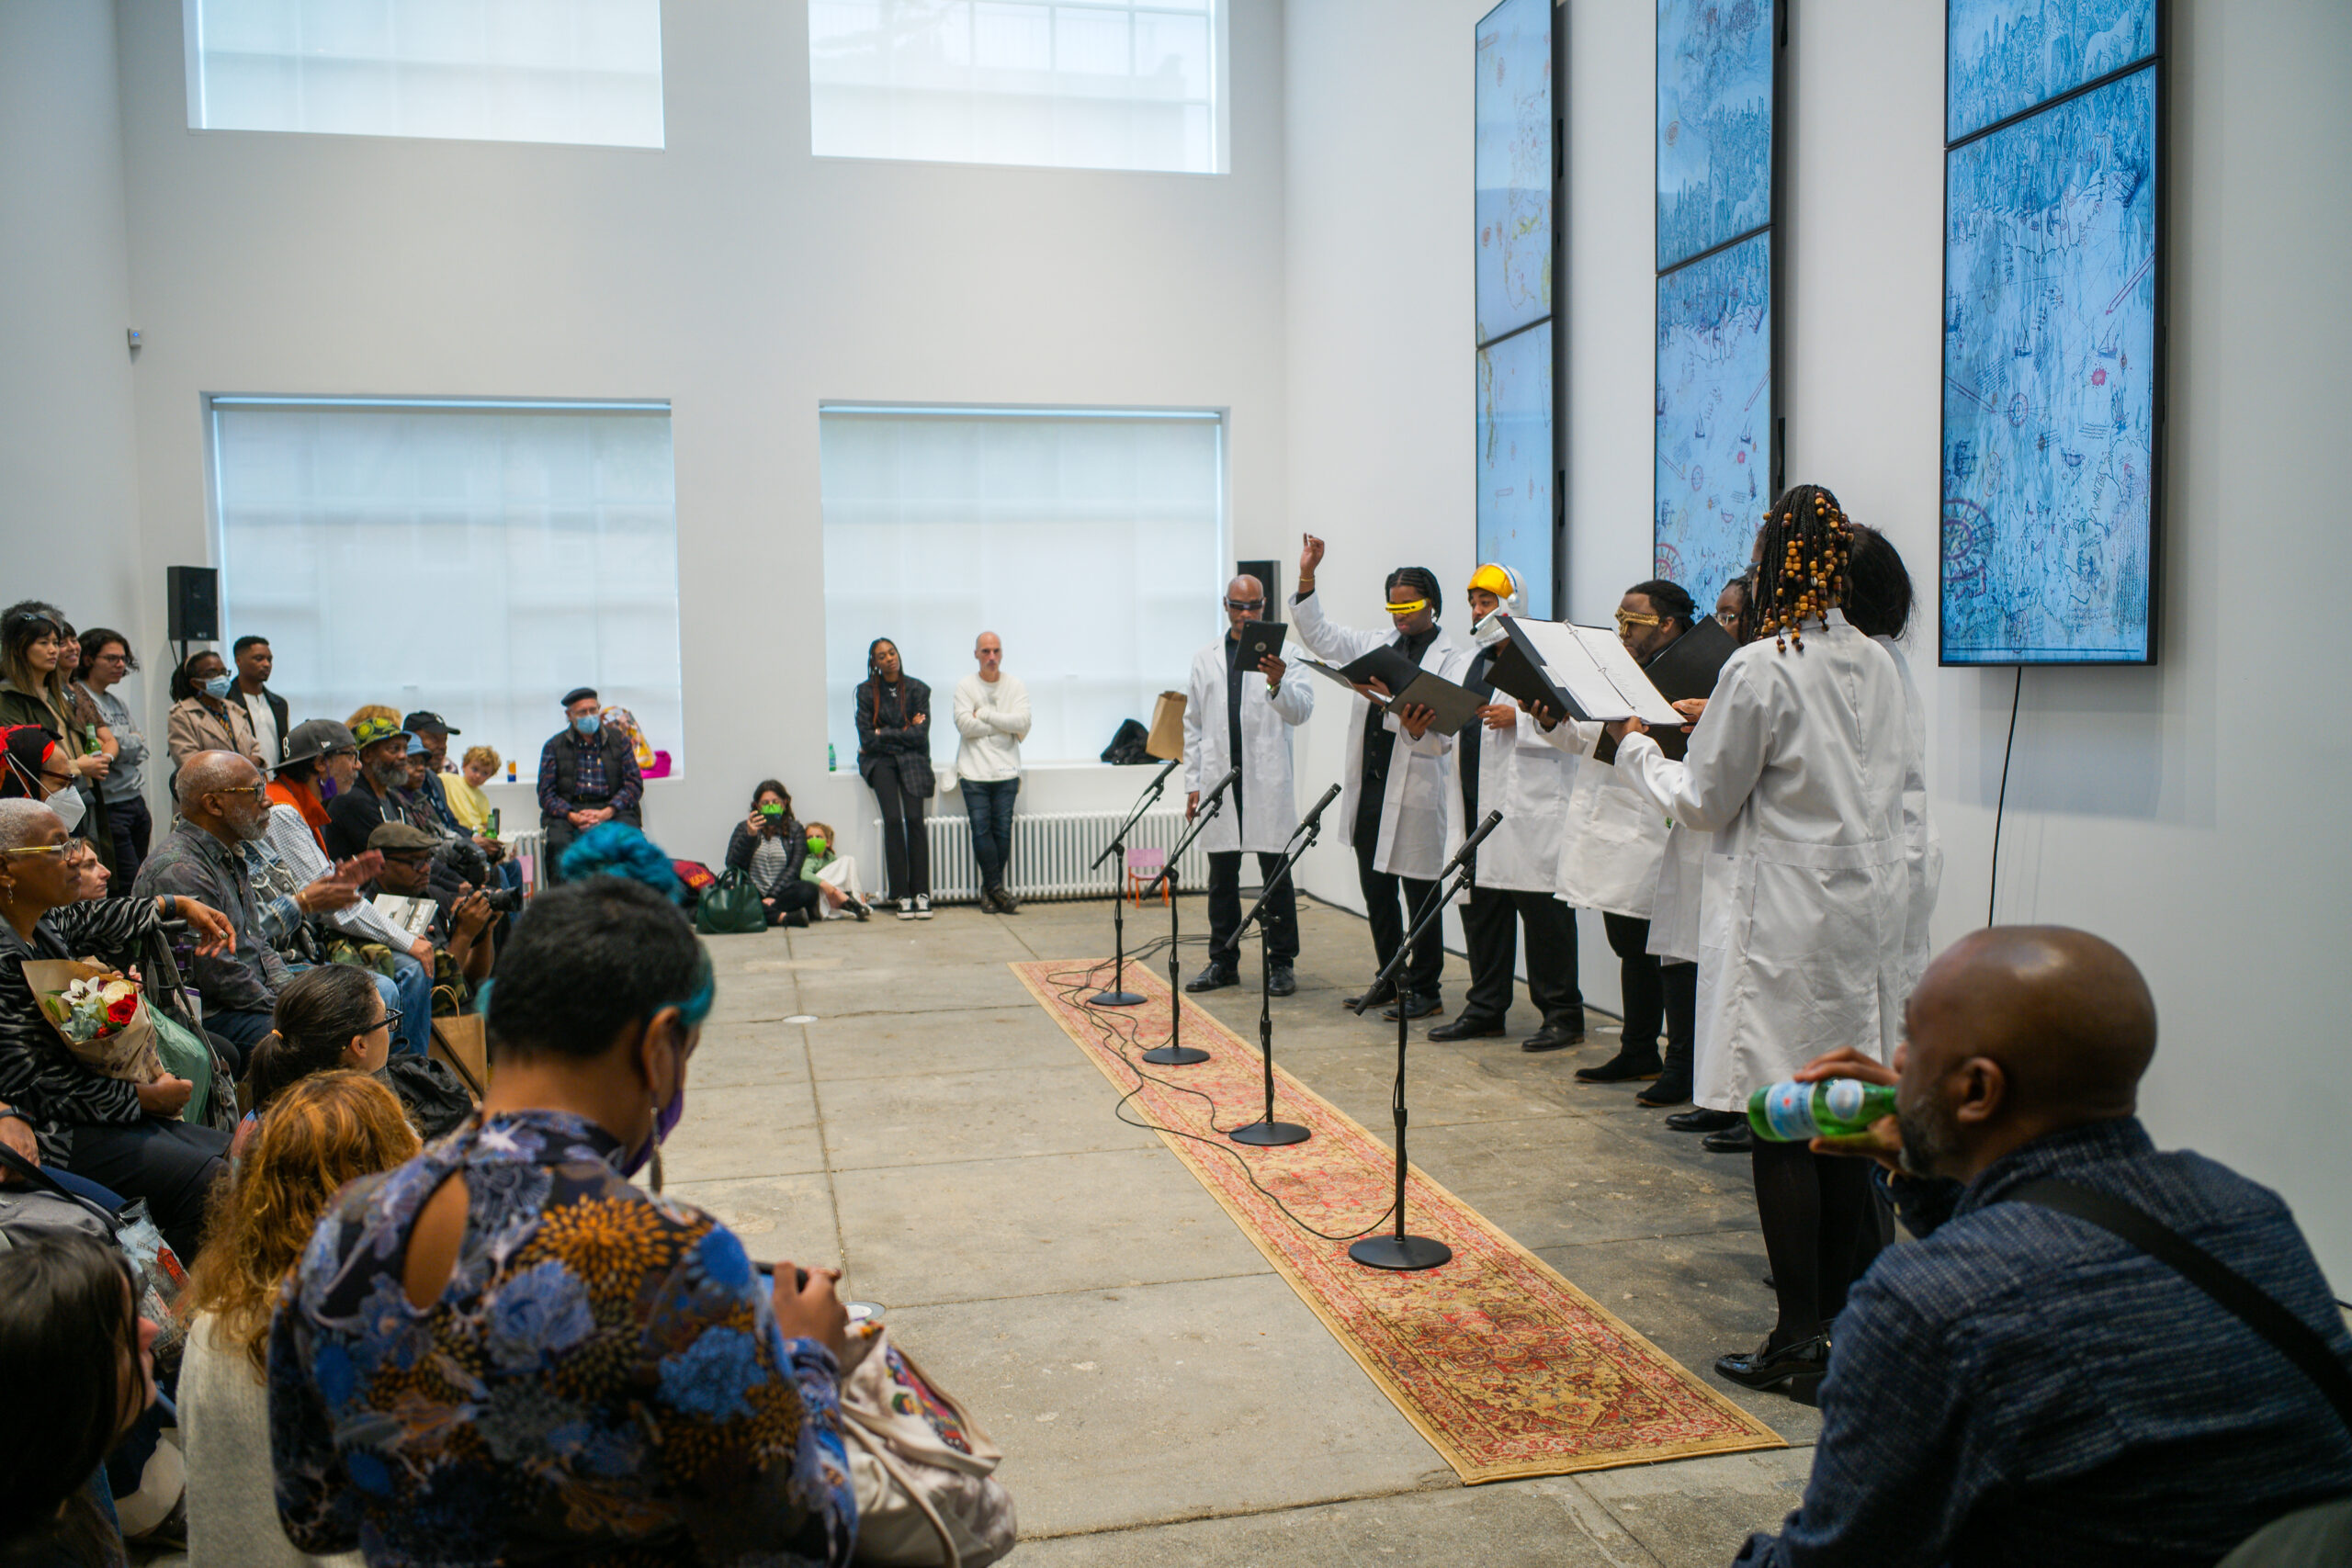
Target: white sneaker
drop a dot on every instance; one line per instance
(905, 908)
(923, 905)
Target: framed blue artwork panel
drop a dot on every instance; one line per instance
(2002, 57)
(1515, 459)
(1514, 167)
(1714, 414)
(1716, 65)
(2051, 384)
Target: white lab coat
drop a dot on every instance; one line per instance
(1526, 779)
(1269, 813)
(1674, 909)
(1611, 839)
(1923, 848)
(1420, 811)
(1797, 770)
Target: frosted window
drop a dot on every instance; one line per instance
(1093, 544)
(1073, 84)
(579, 71)
(477, 561)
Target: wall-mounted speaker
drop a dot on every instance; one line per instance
(194, 594)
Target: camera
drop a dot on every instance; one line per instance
(504, 900)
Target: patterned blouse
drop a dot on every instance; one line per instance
(600, 1380)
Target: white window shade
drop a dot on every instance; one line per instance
(1071, 84)
(1091, 542)
(574, 71)
(474, 560)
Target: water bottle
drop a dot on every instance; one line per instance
(510, 771)
(1835, 1108)
(830, 765)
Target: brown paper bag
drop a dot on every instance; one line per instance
(1167, 741)
(459, 1042)
(127, 1054)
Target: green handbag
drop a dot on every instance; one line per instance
(188, 1054)
(731, 906)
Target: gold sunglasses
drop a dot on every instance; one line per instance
(1627, 618)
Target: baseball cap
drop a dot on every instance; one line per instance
(368, 731)
(400, 836)
(429, 724)
(316, 738)
(416, 747)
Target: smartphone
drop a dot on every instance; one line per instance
(767, 1270)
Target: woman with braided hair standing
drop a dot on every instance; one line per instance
(1797, 767)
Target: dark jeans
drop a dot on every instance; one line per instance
(1280, 920)
(1680, 982)
(170, 1163)
(129, 822)
(1637, 970)
(989, 803)
(1490, 920)
(236, 1035)
(557, 834)
(790, 896)
(906, 848)
(1381, 893)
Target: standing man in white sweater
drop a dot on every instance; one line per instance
(992, 716)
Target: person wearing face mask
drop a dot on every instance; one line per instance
(504, 1348)
(203, 718)
(1505, 766)
(588, 775)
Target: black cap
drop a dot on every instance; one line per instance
(316, 738)
(398, 835)
(429, 724)
(575, 695)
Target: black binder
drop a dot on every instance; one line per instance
(1687, 668)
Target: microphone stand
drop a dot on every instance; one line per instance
(1399, 1251)
(1118, 996)
(1267, 1133)
(1172, 1055)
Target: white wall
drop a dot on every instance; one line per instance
(68, 503)
(2188, 812)
(732, 274)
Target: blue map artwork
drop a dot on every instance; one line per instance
(1714, 123)
(2049, 400)
(1714, 414)
(1515, 460)
(2003, 56)
(1514, 166)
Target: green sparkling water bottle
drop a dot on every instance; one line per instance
(1834, 1108)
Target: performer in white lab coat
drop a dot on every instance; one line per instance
(1797, 769)
(1394, 807)
(1503, 765)
(1231, 712)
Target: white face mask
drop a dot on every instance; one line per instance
(67, 804)
(1487, 631)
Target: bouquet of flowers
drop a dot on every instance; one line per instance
(100, 1014)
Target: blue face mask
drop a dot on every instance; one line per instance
(586, 723)
(217, 687)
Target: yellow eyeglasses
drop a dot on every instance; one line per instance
(1407, 607)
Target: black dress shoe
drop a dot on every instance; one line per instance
(1215, 977)
(1282, 981)
(1627, 1066)
(1006, 904)
(1737, 1140)
(1415, 1004)
(1803, 1363)
(1704, 1121)
(1673, 1087)
(1378, 996)
(1468, 1028)
(1550, 1038)
(796, 919)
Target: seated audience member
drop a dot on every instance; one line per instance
(328, 1018)
(127, 1137)
(459, 928)
(462, 789)
(2020, 1385)
(105, 659)
(432, 732)
(321, 1131)
(78, 1362)
(205, 715)
(769, 845)
(834, 873)
(218, 853)
(357, 810)
(321, 759)
(538, 1359)
(588, 775)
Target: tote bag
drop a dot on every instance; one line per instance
(731, 907)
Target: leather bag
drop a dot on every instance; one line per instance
(730, 907)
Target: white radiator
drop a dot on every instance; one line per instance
(1051, 852)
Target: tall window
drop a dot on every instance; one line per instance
(1091, 541)
(579, 71)
(474, 560)
(1073, 84)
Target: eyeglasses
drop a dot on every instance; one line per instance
(257, 791)
(1627, 618)
(1408, 606)
(65, 847)
(391, 1019)
(1245, 605)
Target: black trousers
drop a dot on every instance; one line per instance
(906, 848)
(1382, 893)
(130, 823)
(171, 1164)
(1490, 920)
(790, 896)
(1629, 939)
(557, 834)
(1281, 920)
(1680, 982)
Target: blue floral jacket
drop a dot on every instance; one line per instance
(601, 1381)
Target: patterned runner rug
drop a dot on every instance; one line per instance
(1508, 1369)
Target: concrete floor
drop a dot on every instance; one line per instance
(1160, 1393)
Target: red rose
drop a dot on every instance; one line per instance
(122, 1009)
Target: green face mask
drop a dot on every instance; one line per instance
(817, 846)
(769, 809)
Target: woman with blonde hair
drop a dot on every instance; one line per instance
(317, 1134)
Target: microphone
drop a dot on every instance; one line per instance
(1222, 785)
(1165, 772)
(1470, 845)
(1315, 815)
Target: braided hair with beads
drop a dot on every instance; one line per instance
(1801, 553)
